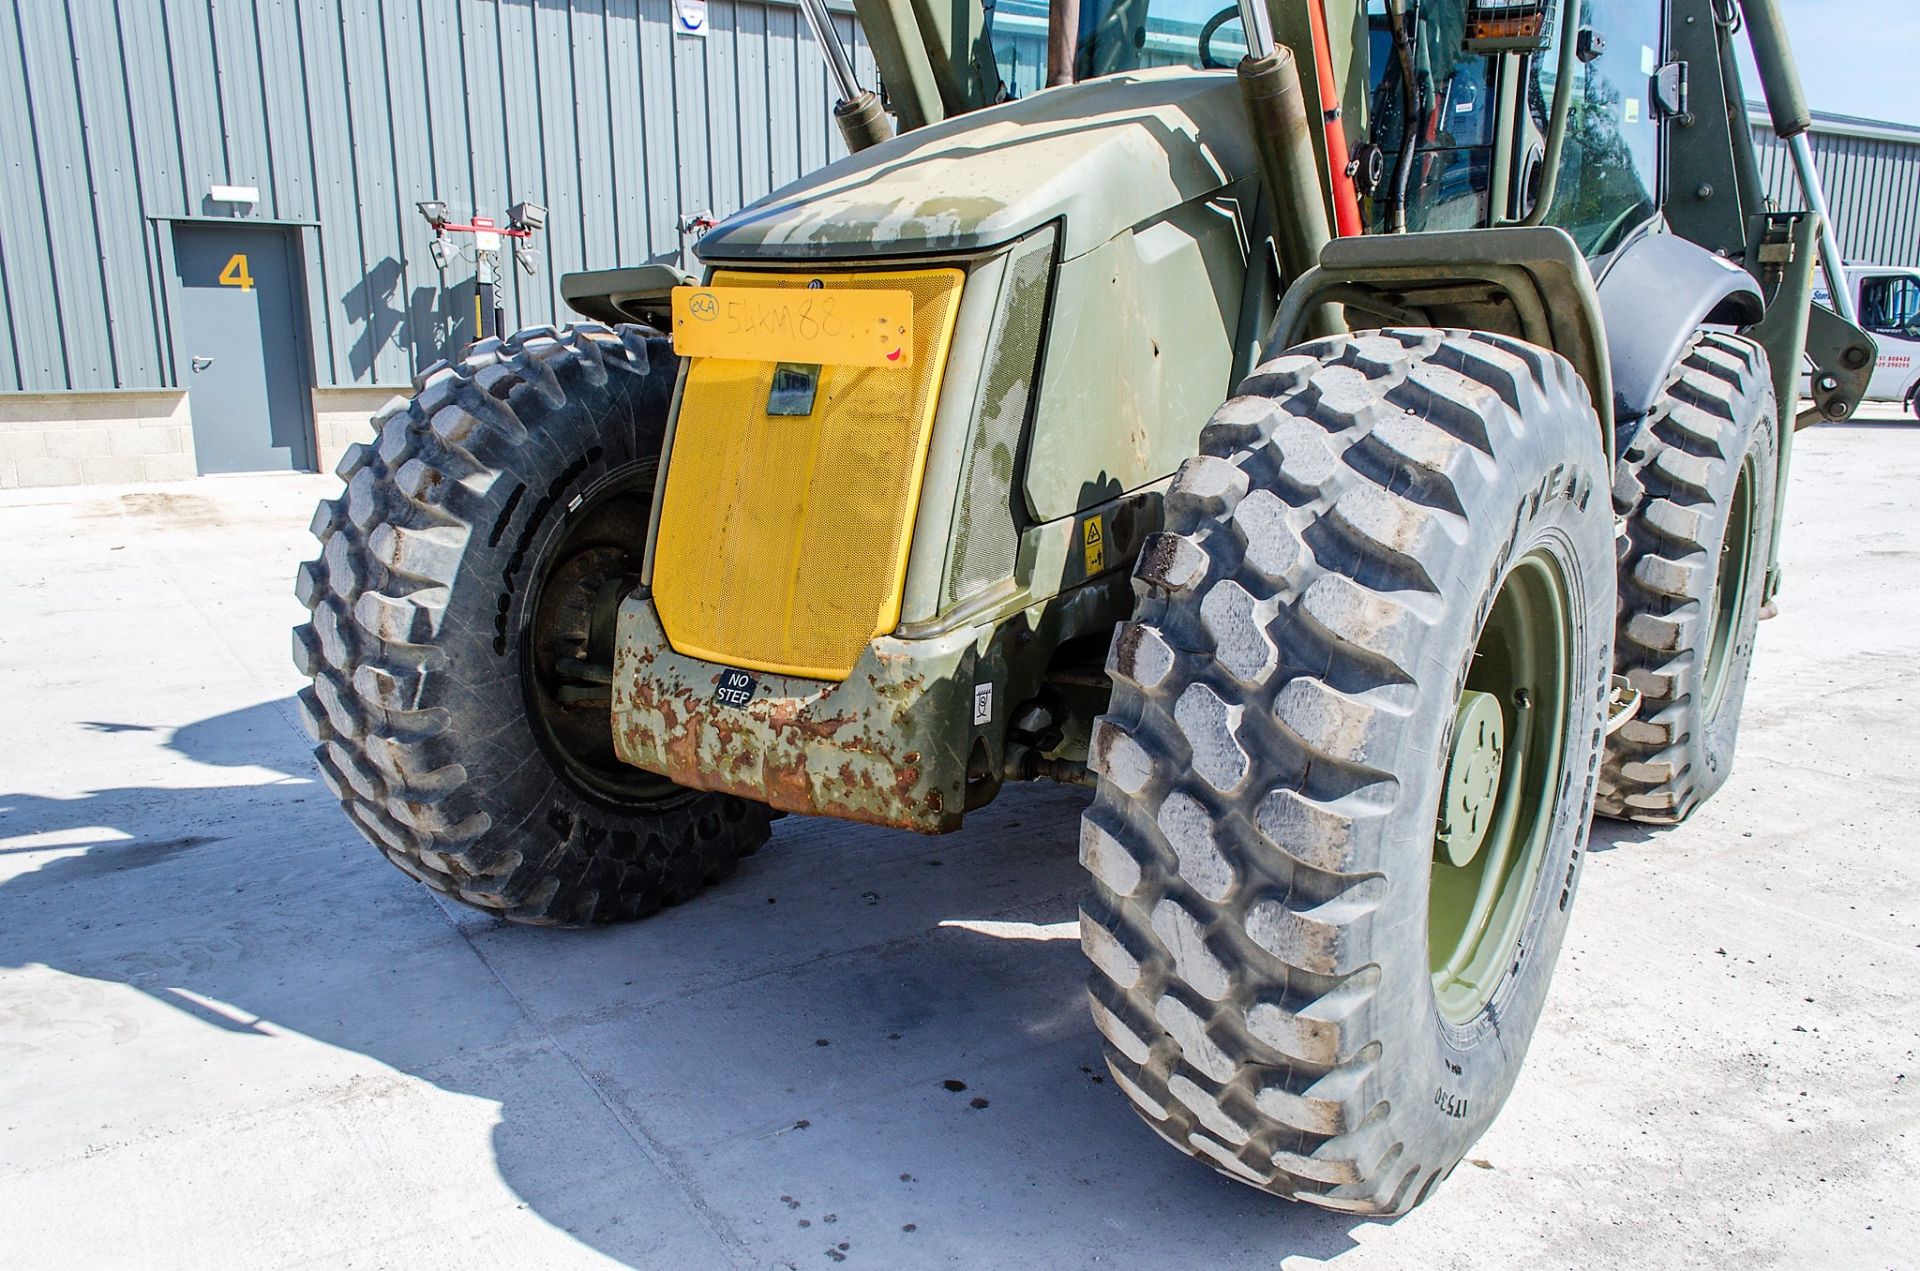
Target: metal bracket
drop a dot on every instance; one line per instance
(1670, 91)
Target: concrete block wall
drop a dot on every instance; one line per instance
(342, 416)
(87, 438)
(49, 439)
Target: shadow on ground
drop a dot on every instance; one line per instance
(773, 1062)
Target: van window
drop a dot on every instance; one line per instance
(1891, 306)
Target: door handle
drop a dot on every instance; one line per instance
(202, 363)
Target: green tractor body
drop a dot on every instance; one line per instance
(934, 489)
(1102, 230)
(1121, 275)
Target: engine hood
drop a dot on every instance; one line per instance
(1102, 155)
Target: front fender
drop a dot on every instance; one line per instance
(1658, 291)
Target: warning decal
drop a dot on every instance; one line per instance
(1095, 535)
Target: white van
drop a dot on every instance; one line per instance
(1888, 302)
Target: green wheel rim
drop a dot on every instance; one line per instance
(1730, 589)
(1502, 782)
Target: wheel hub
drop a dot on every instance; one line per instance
(568, 651)
(1473, 777)
(1503, 778)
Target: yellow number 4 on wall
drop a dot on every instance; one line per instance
(236, 275)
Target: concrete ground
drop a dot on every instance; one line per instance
(232, 1035)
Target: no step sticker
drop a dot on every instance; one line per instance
(735, 687)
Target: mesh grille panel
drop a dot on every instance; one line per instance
(783, 539)
(987, 541)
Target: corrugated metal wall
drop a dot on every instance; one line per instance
(117, 116)
(1872, 184)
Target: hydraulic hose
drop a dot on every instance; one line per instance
(1403, 30)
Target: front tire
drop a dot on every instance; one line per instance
(460, 641)
(1394, 550)
(1698, 542)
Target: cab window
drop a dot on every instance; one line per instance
(1115, 35)
(1609, 171)
(1453, 100)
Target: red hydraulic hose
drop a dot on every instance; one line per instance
(1346, 203)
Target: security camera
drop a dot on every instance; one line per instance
(529, 258)
(527, 215)
(442, 252)
(434, 210)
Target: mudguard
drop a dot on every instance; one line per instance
(1659, 290)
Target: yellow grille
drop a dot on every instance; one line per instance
(783, 539)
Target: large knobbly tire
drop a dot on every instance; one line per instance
(431, 566)
(1271, 763)
(1686, 625)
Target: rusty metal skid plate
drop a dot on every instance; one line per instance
(887, 745)
(890, 744)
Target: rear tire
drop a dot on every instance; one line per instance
(462, 605)
(1339, 564)
(1698, 542)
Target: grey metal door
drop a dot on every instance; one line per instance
(245, 351)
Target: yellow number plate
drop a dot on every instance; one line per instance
(838, 326)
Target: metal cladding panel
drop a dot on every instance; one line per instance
(117, 116)
(126, 259)
(39, 358)
(805, 518)
(285, 114)
(593, 130)
(1872, 184)
(73, 239)
(241, 91)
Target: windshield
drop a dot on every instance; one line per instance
(1117, 35)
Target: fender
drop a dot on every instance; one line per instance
(1658, 290)
(1523, 280)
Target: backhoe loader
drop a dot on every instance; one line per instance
(1345, 435)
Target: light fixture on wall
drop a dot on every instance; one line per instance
(244, 194)
(524, 219)
(527, 216)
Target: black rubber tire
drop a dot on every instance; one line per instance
(1715, 416)
(428, 570)
(1270, 765)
